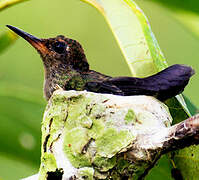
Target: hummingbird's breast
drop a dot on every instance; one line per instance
(66, 79)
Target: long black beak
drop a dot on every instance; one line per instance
(34, 41)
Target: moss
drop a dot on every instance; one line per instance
(114, 175)
(104, 164)
(77, 114)
(86, 173)
(98, 110)
(75, 140)
(130, 117)
(48, 163)
(122, 164)
(54, 125)
(97, 129)
(77, 160)
(58, 98)
(80, 127)
(100, 175)
(86, 121)
(112, 141)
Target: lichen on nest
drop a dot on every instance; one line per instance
(96, 130)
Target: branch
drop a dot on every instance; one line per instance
(87, 135)
(183, 134)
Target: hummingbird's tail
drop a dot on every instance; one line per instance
(163, 85)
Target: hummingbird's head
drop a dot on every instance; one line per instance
(58, 50)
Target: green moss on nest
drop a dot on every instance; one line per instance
(86, 173)
(97, 129)
(80, 127)
(75, 140)
(77, 160)
(77, 113)
(104, 164)
(130, 117)
(122, 164)
(48, 163)
(88, 122)
(93, 134)
(112, 141)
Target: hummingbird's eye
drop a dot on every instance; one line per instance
(59, 47)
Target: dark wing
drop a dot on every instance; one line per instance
(103, 87)
(163, 85)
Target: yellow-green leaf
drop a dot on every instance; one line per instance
(6, 39)
(7, 3)
(133, 34)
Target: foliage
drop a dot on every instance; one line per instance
(187, 12)
(7, 3)
(19, 136)
(6, 39)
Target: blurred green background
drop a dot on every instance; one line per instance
(175, 24)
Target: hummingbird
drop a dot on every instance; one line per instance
(66, 65)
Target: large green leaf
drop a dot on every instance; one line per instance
(187, 162)
(161, 170)
(192, 108)
(133, 34)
